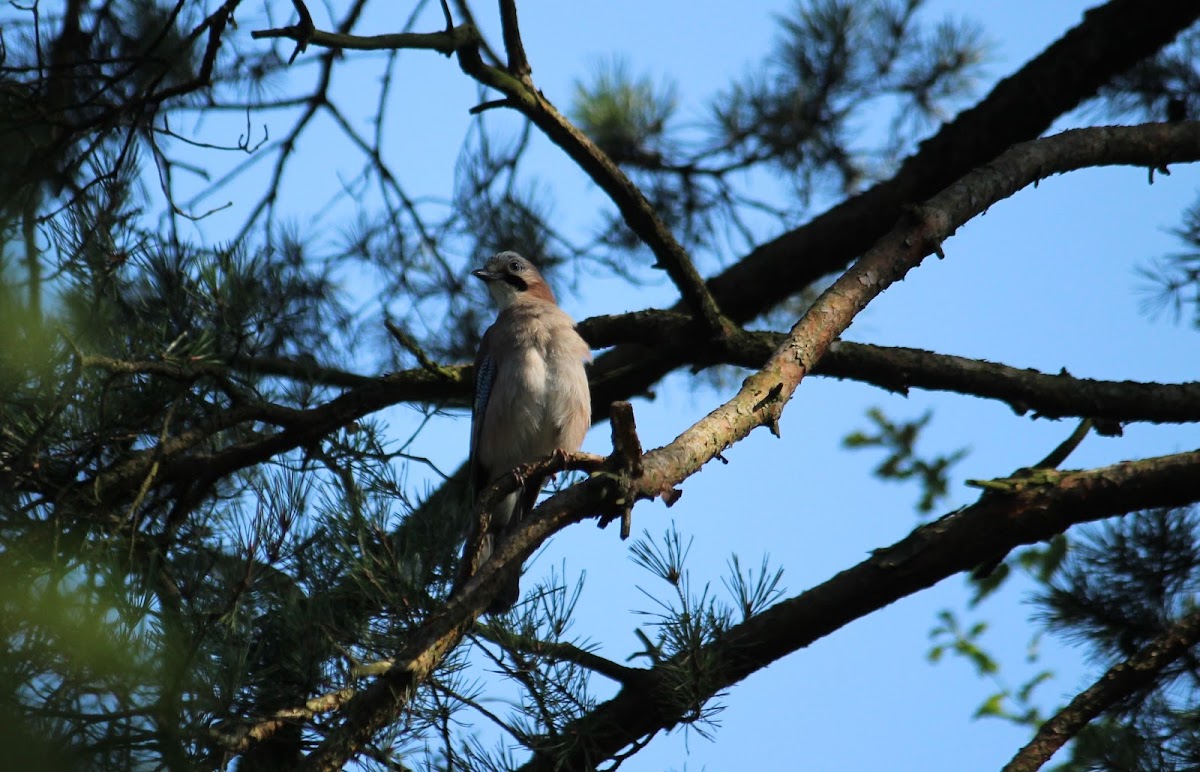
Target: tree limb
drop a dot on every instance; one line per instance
(929, 554)
(1120, 681)
(894, 368)
(518, 62)
(1109, 40)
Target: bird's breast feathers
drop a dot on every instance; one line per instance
(539, 401)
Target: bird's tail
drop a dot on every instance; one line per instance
(508, 514)
(510, 579)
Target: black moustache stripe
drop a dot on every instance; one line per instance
(517, 282)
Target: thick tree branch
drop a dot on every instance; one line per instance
(1109, 40)
(1122, 680)
(760, 402)
(894, 368)
(763, 395)
(899, 369)
(1024, 390)
(931, 553)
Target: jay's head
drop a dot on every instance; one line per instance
(511, 278)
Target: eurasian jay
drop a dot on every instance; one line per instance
(531, 395)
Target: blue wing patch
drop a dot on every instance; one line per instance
(485, 376)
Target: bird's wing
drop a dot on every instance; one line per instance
(485, 378)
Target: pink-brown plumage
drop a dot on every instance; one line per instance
(532, 394)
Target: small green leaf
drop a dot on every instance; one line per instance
(993, 706)
(1027, 690)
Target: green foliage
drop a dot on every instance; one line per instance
(902, 462)
(1127, 581)
(754, 592)
(963, 642)
(189, 543)
(1013, 704)
(1165, 87)
(687, 621)
(1039, 561)
(835, 60)
(1171, 283)
(625, 115)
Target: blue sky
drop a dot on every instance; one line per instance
(1044, 280)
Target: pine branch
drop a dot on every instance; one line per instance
(567, 652)
(931, 553)
(760, 403)
(1120, 681)
(238, 737)
(899, 369)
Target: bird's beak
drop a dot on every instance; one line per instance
(483, 273)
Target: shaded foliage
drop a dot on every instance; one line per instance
(1124, 583)
(202, 537)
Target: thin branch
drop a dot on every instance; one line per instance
(410, 344)
(567, 652)
(445, 42)
(518, 63)
(178, 460)
(639, 214)
(239, 736)
(1122, 680)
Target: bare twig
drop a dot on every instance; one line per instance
(518, 63)
(567, 652)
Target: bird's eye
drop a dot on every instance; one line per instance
(515, 266)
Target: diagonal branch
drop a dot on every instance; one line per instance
(1109, 40)
(893, 368)
(760, 402)
(1122, 680)
(522, 95)
(762, 396)
(931, 553)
